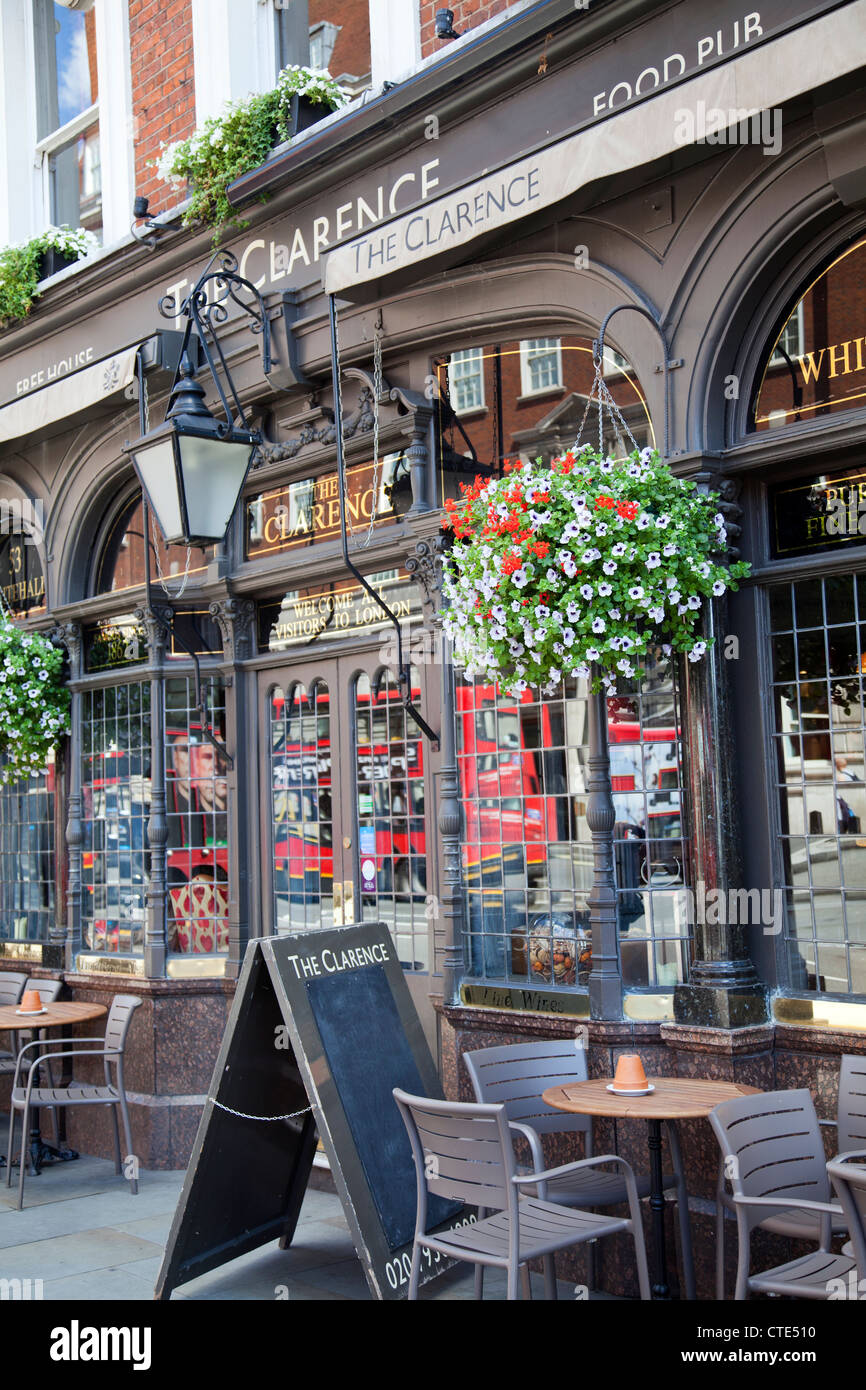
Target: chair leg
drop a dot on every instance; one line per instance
(12, 1113)
(720, 1249)
(118, 1167)
(592, 1257)
(682, 1211)
(479, 1269)
(415, 1271)
(640, 1258)
(550, 1277)
(525, 1282)
(25, 1135)
(127, 1137)
(511, 1293)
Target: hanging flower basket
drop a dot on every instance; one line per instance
(34, 702)
(579, 568)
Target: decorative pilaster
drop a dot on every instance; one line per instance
(605, 995)
(724, 990)
(65, 942)
(236, 621)
(418, 430)
(157, 622)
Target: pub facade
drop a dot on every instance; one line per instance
(472, 259)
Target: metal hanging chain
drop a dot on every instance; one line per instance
(160, 576)
(377, 392)
(266, 1119)
(600, 393)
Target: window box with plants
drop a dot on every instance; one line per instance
(226, 146)
(24, 267)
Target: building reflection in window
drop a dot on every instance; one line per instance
(528, 850)
(115, 787)
(197, 817)
(27, 857)
(818, 654)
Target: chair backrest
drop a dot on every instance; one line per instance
(48, 989)
(848, 1176)
(773, 1148)
(461, 1150)
(851, 1114)
(516, 1075)
(12, 984)
(123, 1006)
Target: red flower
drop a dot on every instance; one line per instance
(541, 549)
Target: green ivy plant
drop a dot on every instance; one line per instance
(226, 146)
(580, 568)
(20, 266)
(34, 702)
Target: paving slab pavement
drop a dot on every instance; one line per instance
(87, 1238)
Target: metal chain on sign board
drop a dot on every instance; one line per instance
(266, 1119)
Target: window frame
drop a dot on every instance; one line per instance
(463, 354)
(528, 354)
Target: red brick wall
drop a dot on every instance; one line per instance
(163, 87)
(351, 53)
(468, 14)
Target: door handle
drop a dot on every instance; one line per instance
(344, 902)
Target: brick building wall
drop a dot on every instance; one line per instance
(468, 14)
(351, 55)
(163, 87)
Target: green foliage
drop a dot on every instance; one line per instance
(20, 266)
(588, 563)
(34, 702)
(226, 146)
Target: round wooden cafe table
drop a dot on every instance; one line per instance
(59, 1014)
(674, 1098)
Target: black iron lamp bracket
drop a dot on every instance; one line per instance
(668, 364)
(207, 306)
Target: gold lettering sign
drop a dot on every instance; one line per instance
(329, 612)
(817, 364)
(817, 515)
(306, 511)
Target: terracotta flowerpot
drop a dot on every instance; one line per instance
(630, 1074)
(31, 1001)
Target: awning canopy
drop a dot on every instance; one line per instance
(759, 80)
(69, 395)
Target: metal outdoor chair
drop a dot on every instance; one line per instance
(515, 1075)
(48, 992)
(12, 984)
(28, 1095)
(850, 1121)
(464, 1151)
(774, 1157)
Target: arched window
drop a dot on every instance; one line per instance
(121, 560)
(815, 361)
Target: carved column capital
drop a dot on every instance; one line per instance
(157, 625)
(425, 564)
(70, 637)
(235, 618)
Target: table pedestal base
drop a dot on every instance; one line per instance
(660, 1288)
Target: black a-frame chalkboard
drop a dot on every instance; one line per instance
(321, 1030)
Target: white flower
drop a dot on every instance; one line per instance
(516, 605)
(669, 550)
(609, 567)
(568, 636)
(615, 614)
(598, 625)
(572, 612)
(704, 570)
(581, 671)
(674, 596)
(693, 601)
(653, 560)
(601, 529)
(643, 521)
(636, 592)
(719, 588)
(569, 567)
(590, 555)
(618, 549)
(657, 614)
(498, 612)
(605, 589)
(662, 521)
(520, 578)
(587, 591)
(553, 578)
(593, 653)
(497, 631)
(542, 611)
